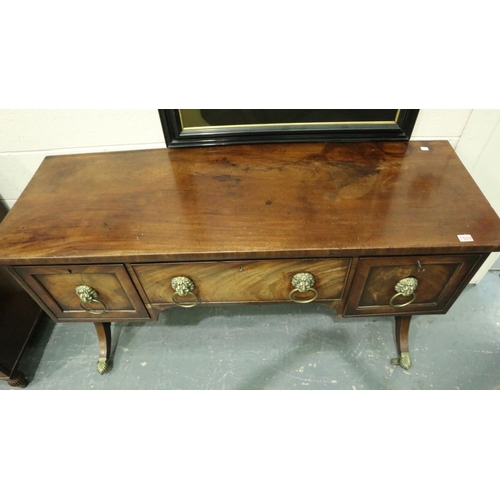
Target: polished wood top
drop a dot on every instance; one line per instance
(252, 201)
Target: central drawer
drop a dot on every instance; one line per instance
(245, 281)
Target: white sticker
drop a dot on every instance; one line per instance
(424, 148)
(465, 237)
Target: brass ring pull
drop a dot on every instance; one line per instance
(183, 287)
(94, 311)
(185, 304)
(402, 305)
(406, 288)
(303, 282)
(306, 301)
(87, 295)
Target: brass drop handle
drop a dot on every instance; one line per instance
(406, 288)
(302, 283)
(183, 287)
(87, 295)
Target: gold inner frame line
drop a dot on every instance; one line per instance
(263, 125)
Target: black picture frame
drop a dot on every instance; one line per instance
(178, 136)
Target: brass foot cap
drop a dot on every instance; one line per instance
(103, 366)
(404, 361)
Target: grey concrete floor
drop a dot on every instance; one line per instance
(280, 346)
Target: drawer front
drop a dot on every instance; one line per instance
(245, 281)
(114, 295)
(439, 280)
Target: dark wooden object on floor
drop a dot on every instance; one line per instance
(368, 228)
(19, 314)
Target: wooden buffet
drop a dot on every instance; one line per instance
(372, 228)
(19, 315)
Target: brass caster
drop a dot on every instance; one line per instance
(103, 366)
(404, 361)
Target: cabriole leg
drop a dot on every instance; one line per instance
(402, 330)
(104, 337)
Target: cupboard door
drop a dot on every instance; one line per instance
(409, 285)
(95, 292)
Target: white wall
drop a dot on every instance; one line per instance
(27, 136)
(441, 124)
(479, 150)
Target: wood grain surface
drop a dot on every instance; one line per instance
(249, 202)
(244, 281)
(55, 287)
(440, 278)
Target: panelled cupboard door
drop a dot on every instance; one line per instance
(89, 293)
(409, 285)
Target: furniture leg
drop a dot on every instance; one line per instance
(402, 330)
(17, 379)
(104, 337)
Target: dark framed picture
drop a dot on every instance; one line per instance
(215, 127)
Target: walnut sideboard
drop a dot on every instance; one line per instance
(370, 229)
